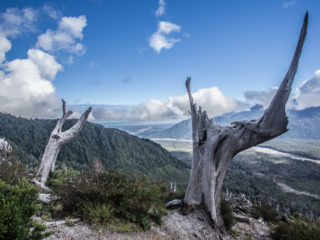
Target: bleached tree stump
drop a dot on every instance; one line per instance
(214, 146)
(5, 149)
(56, 140)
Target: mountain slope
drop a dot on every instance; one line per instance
(115, 149)
(302, 124)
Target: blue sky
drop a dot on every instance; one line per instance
(115, 57)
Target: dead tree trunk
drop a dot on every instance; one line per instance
(56, 140)
(214, 146)
(5, 149)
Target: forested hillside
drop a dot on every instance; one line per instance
(114, 148)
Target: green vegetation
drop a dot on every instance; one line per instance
(17, 204)
(111, 199)
(297, 228)
(267, 212)
(303, 147)
(227, 214)
(255, 176)
(113, 148)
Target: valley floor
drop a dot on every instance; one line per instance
(284, 173)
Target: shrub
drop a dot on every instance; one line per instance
(97, 198)
(297, 228)
(17, 205)
(11, 170)
(97, 213)
(227, 214)
(61, 177)
(266, 212)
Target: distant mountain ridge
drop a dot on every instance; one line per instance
(114, 148)
(303, 124)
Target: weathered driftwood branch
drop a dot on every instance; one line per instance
(214, 146)
(56, 140)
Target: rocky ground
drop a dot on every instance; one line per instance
(195, 225)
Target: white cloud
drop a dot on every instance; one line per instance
(25, 89)
(287, 4)
(211, 99)
(12, 23)
(77, 115)
(65, 37)
(308, 93)
(50, 11)
(15, 21)
(5, 46)
(168, 27)
(161, 9)
(74, 25)
(260, 97)
(46, 63)
(160, 40)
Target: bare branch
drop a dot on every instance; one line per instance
(64, 117)
(75, 129)
(64, 108)
(56, 140)
(275, 116)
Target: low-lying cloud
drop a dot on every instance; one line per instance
(260, 97)
(308, 93)
(211, 99)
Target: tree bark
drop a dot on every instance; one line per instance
(56, 140)
(214, 146)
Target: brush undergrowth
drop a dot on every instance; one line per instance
(18, 203)
(110, 199)
(297, 228)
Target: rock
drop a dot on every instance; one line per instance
(240, 218)
(61, 222)
(241, 203)
(195, 225)
(47, 198)
(285, 218)
(174, 204)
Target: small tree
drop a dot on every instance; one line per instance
(56, 140)
(214, 146)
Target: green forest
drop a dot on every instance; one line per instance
(115, 149)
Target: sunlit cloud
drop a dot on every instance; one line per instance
(211, 99)
(65, 37)
(308, 92)
(26, 84)
(160, 40)
(161, 9)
